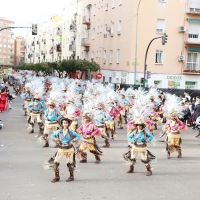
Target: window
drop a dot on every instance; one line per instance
(97, 54)
(93, 33)
(110, 79)
(104, 79)
(120, 2)
(119, 27)
(100, 30)
(112, 29)
(106, 5)
(97, 29)
(94, 11)
(105, 29)
(92, 56)
(104, 56)
(162, 1)
(99, 4)
(111, 56)
(113, 3)
(192, 61)
(79, 19)
(159, 57)
(160, 29)
(118, 55)
(193, 32)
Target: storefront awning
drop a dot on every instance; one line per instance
(193, 20)
(193, 48)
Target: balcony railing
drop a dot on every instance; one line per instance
(191, 68)
(72, 47)
(192, 38)
(85, 42)
(193, 7)
(86, 19)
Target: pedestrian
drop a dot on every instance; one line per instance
(196, 100)
(187, 96)
(3, 101)
(196, 113)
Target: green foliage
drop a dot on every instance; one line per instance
(68, 66)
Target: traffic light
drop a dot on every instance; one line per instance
(142, 80)
(34, 29)
(164, 39)
(148, 75)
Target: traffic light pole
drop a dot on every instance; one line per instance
(13, 27)
(145, 61)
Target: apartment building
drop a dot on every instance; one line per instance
(19, 55)
(6, 43)
(57, 39)
(104, 31)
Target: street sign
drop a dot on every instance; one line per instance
(99, 76)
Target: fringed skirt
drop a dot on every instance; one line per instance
(173, 142)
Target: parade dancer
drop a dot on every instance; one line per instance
(123, 112)
(100, 117)
(27, 98)
(72, 112)
(64, 139)
(88, 130)
(173, 125)
(138, 140)
(172, 129)
(36, 108)
(51, 116)
(114, 111)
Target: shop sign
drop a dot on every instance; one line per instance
(174, 78)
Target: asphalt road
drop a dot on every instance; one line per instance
(23, 177)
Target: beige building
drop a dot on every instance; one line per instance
(112, 40)
(6, 43)
(104, 31)
(19, 50)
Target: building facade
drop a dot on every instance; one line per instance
(6, 43)
(57, 39)
(110, 32)
(19, 55)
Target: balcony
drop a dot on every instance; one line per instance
(58, 48)
(72, 47)
(22, 49)
(85, 42)
(86, 20)
(72, 27)
(193, 7)
(191, 68)
(192, 38)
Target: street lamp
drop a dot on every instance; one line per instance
(103, 50)
(136, 44)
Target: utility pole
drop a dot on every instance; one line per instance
(136, 44)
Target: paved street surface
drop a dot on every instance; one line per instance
(23, 177)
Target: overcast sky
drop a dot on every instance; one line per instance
(27, 12)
